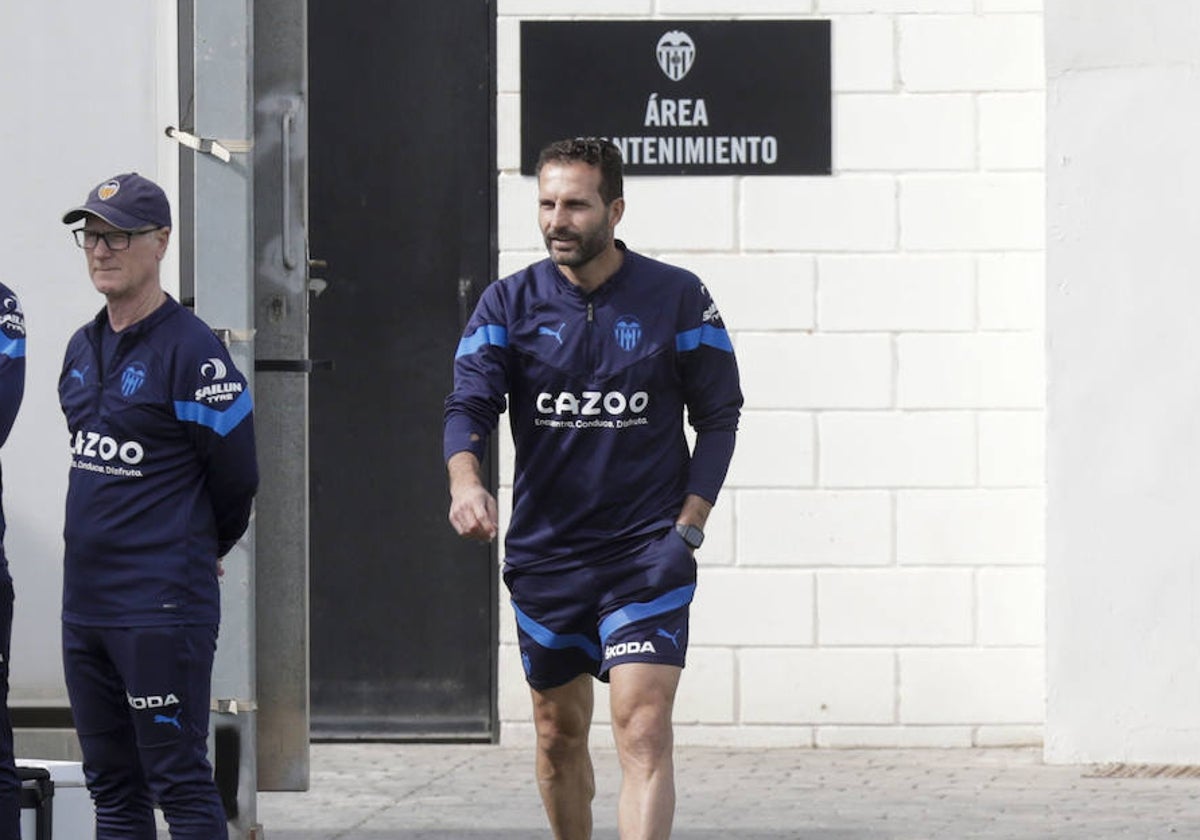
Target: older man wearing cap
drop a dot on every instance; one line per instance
(163, 474)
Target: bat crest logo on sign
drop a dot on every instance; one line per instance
(676, 53)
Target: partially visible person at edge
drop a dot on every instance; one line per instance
(162, 478)
(599, 351)
(12, 389)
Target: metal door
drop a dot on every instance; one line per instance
(402, 227)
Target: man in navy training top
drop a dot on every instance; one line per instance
(12, 389)
(599, 351)
(162, 477)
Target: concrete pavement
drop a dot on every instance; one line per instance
(479, 792)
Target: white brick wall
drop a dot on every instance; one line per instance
(873, 570)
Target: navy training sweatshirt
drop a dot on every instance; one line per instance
(596, 387)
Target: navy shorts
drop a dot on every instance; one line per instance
(586, 620)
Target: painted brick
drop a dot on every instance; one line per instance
(893, 737)
(990, 212)
(817, 686)
(1012, 291)
(504, 515)
(757, 292)
(774, 449)
(970, 526)
(925, 131)
(508, 55)
(971, 53)
(516, 222)
(895, 607)
(508, 132)
(719, 532)
(895, 7)
(748, 737)
(796, 370)
(708, 687)
(513, 261)
(983, 370)
(1012, 130)
(849, 213)
(896, 292)
(505, 451)
(818, 528)
(926, 449)
(1012, 610)
(563, 8)
(1011, 5)
(752, 607)
(1009, 736)
(743, 7)
(864, 54)
(993, 686)
(512, 692)
(653, 217)
(1012, 449)
(506, 618)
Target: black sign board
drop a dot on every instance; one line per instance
(682, 97)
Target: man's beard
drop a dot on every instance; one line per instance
(587, 247)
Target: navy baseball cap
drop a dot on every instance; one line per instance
(126, 201)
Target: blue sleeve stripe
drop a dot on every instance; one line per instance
(706, 334)
(14, 348)
(673, 600)
(547, 638)
(486, 334)
(221, 422)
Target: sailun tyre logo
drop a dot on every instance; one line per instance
(218, 391)
(676, 52)
(214, 369)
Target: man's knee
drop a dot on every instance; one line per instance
(110, 761)
(644, 729)
(560, 736)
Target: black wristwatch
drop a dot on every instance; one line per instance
(691, 535)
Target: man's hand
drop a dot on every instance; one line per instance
(472, 508)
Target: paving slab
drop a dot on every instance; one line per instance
(481, 792)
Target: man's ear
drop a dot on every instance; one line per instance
(616, 210)
(164, 237)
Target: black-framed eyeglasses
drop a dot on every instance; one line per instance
(114, 240)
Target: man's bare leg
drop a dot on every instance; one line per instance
(642, 698)
(563, 717)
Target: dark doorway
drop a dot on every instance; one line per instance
(402, 212)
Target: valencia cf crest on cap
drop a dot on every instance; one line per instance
(126, 201)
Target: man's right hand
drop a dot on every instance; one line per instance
(472, 508)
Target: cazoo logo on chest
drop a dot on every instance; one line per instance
(95, 445)
(592, 403)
